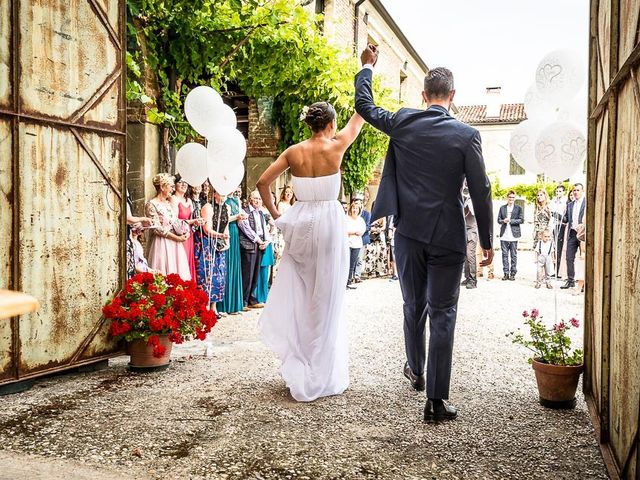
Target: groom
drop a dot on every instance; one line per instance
(430, 154)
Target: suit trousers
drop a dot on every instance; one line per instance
(470, 262)
(558, 233)
(572, 248)
(430, 284)
(250, 264)
(509, 249)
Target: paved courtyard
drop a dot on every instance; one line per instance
(221, 410)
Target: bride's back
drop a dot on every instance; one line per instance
(316, 157)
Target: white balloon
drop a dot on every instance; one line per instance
(226, 144)
(535, 105)
(200, 107)
(561, 150)
(191, 163)
(560, 75)
(223, 116)
(523, 144)
(575, 111)
(225, 182)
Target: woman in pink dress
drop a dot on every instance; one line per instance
(166, 253)
(185, 208)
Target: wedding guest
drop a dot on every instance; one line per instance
(287, 199)
(558, 207)
(574, 217)
(391, 230)
(355, 229)
(542, 217)
(210, 244)
(561, 265)
(470, 261)
(183, 204)
(544, 251)
(232, 302)
(580, 260)
(366, 216)
(268, 260)
(141, 264)
(510, 217)
(254, 239)
(166, 253)
(375, 256)
(193, 193)
(205, 195)
(132, 222)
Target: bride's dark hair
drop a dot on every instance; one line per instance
(319, 115)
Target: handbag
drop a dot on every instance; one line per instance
(180, 227)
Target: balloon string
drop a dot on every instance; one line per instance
(208, 265)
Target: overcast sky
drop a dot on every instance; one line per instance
(491, 42)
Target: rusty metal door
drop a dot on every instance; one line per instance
(62, 141)
(612, 303)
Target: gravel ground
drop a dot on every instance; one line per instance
(222, 411)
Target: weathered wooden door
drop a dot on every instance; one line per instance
(62, 140)
(612, 304)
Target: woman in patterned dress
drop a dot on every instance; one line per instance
(376, 251)
(210, 244)
(542, 215)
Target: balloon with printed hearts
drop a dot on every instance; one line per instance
(523, 143)
(536, 106)
(225, 177)
(561, 150)
(559, 75)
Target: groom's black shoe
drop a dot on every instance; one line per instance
(417, 381)
(439, 410)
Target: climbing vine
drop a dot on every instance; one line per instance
(263, 48)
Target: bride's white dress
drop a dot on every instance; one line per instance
(303, 320)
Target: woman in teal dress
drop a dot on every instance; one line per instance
(233, 301)
(268, 261)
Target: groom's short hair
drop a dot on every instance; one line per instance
(438, 83)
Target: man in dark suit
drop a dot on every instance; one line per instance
(430, 154)
(573, 218)
(510, 217)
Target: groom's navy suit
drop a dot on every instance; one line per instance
(430, 153)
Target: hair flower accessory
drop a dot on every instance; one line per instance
(303, 113)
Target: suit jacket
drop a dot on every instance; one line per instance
(246, 243)
(516, 219)
(430, 153)
(568, 216)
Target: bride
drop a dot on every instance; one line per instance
(303, 321)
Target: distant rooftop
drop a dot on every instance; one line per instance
(510, 113)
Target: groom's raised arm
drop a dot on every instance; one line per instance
(378, 117)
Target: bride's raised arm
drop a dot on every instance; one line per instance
(349, 133)
(267, 178)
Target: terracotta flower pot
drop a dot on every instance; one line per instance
(557, 384)
(141, 355)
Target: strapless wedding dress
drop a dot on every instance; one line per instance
(303, 321)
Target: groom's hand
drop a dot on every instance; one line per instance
(487, 256)
(369, 55)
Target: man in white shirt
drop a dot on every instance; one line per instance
(572, 218)
(510, 217)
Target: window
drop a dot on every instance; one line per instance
(514, 167)
(320, 6)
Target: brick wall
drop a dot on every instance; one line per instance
(263, 137)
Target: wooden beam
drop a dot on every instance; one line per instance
(621, 76)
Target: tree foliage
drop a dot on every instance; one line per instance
(268, 48)
(525, 190)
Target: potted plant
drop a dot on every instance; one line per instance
(152, 312)
(557, 367)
